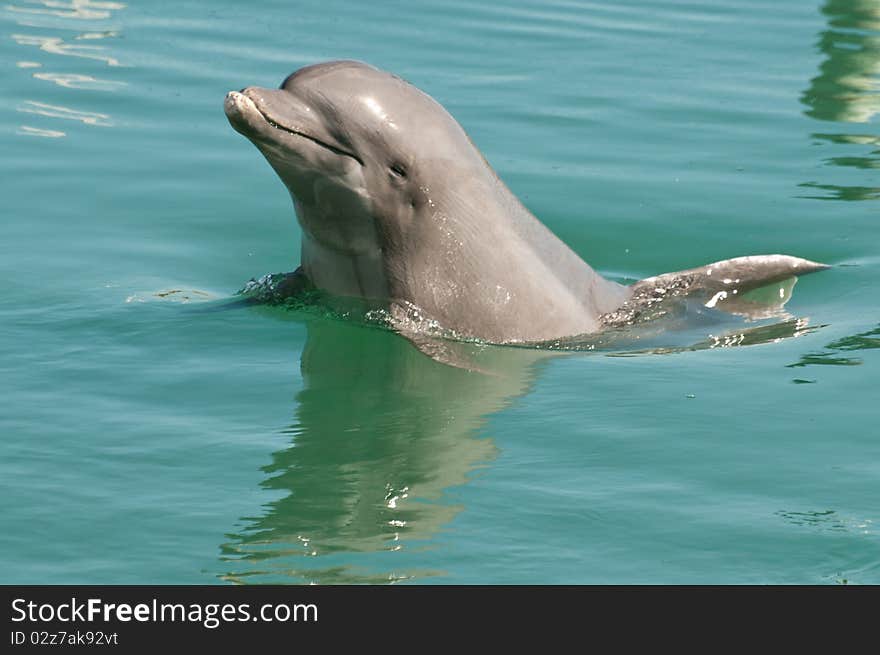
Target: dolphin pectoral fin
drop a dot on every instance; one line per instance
(407, 321)
(278, 287)
(294, 284)
(729, 285)
(443, 351)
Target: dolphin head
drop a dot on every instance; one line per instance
(350, 142)
(398, 206)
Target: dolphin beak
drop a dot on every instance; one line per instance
(263, 114)
(242, 113)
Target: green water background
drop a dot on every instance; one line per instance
(143, 441)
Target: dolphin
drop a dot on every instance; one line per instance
(398, 207)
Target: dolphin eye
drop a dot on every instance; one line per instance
(398, 170)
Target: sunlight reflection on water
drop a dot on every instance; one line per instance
(66, 15)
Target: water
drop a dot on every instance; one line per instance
(144, 440)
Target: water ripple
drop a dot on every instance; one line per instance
(69, 15)
(76, 81)
(75, 9)
(847, 90)
(57, 46)
(831, 356)
(56, 111)
(36, 131)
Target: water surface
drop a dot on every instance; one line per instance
(146, 441)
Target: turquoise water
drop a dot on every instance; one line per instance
(148, 435)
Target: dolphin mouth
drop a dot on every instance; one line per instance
(240, 105)
(295, 132)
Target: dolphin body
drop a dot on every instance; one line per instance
(398, 207)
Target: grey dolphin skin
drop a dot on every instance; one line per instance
(399, 207)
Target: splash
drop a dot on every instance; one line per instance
(669, 325)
